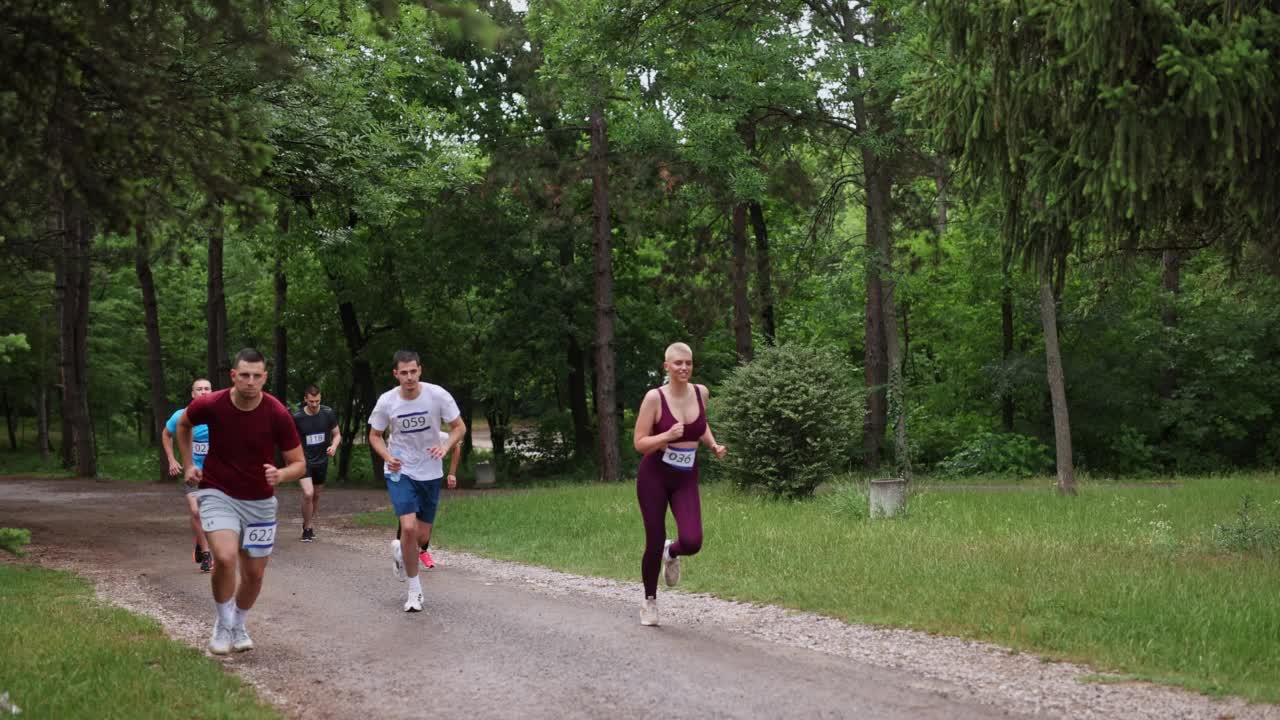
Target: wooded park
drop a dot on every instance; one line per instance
(1023, 237)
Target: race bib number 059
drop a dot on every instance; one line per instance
(259, 536)
(315, 438)
(199, 448)
(681, 458)
(413, 423)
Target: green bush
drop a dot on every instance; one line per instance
(1251, 531)
(13, 539)
(991, 453)
(787, 418)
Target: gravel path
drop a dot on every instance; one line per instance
(501, 639)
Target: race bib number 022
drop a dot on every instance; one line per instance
(199, 448)
(681, 458)
(259, 535)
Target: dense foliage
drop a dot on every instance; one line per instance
(898, 183)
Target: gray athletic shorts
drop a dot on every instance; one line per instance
(253, 520)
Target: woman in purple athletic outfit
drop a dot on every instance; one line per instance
(671, 423)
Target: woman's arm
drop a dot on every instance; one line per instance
(648, 415)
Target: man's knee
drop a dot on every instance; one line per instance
(252, 571)
(308, 493)
(223, 555)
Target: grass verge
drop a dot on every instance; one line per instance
(1130, 579)
(63, 655)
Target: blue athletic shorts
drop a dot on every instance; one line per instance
(420, 497)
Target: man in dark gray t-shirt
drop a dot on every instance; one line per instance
(318, 429)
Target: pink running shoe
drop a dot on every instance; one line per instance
(427, 562)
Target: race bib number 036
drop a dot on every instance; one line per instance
(259, 535)
(681, 458)
(315, 438)
(199, 448)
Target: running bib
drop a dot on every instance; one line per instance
(414, 423)
(258, 536)
(681, 458)
(199, 448)
(315, 438)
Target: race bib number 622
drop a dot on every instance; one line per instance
(259, 535)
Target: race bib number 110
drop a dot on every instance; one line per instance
(259, 536)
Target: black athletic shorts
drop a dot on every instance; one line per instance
(317, 472)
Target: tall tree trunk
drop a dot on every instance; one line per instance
(72, 288)
(63, 303)
(738, 277)
(1171, 283)
(1006, 337)
(217, 363)
(281, 369)
(897, 386)
(897, 390)
(577, 357)
(764, 273)
(155, 355)
(876, 357)
(350, 425)
(42, 422)
(361, 373)
(9, 419)
(606, 378)
(1057, 386)
(940, 182)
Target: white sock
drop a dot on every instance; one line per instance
(226, 612)
(415, 584)
(238, 619)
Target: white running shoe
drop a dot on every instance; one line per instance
(670, 565)
(649, 612)
(220, 643)
(414, 603)
(240, 640)
(398, 559)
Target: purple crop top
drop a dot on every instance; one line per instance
(692, 430)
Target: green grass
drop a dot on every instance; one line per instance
(1127, 578)
(63, 655)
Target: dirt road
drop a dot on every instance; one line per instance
(334, 643)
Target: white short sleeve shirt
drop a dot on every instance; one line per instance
(415, 427)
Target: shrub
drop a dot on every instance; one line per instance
(786, 417)
(12, 540)
(1251, 531)
(991, 453)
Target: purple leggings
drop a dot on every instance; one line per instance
(657, 486)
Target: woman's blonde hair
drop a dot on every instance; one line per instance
(677, 347)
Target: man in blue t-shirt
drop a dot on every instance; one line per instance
(199, 447)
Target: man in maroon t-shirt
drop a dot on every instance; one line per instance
(237, 488)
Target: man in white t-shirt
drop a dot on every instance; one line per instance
(413, 413)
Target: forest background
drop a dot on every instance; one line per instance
(990, 211)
